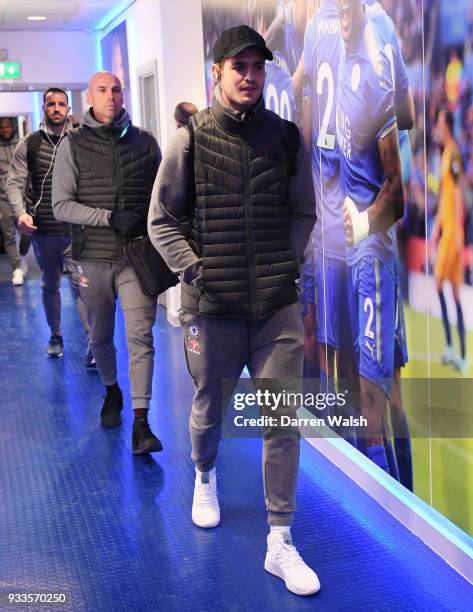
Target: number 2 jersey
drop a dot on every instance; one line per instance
(322, 50)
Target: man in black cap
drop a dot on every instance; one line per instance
(240, 175)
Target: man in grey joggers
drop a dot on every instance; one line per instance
(102, 185)
(241, 177)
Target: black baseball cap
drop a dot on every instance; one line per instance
(235, 40)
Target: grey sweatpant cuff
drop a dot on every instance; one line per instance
(140, 404)
(205, 467)
(280, 519)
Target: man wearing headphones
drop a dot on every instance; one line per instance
(238, 175)
(33, 161)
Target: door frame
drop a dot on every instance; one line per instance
(142, 72)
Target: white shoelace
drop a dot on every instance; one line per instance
(287, 555)
(205, 494)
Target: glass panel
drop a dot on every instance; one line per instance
(449, 115)
(434, 38)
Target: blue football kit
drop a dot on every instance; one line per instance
(401, 466)
(322, 51)
(366, 115)
(386, 32)
(387, 36)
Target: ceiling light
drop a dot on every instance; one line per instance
(36, 18)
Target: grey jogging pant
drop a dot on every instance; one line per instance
(272, 348)
(71, 268)
(100, 283)
(7, 226)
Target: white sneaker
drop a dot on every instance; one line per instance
(461, 365)
(17, 277)
(283, 560)
(205, 508)
(448, 355)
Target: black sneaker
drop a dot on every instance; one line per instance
(112, 407)
(143, 439)
(55, 347)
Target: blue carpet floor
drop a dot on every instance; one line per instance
(79, 515)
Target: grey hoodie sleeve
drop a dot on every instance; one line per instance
(16, 180)
(168, 205)
(301, 203)
(64, 193)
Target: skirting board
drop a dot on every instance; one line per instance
(448, 541)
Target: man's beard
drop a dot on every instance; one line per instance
(51, 122)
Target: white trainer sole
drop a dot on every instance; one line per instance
(274, 569)
(206, 525)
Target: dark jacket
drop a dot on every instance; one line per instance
(101, 169)
(251, 205)
(40, 147)
(242, 221)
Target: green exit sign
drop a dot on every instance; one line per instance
(9, 70)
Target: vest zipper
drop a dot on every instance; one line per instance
(247, 218)
(118, 198)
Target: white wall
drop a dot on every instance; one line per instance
(169, 31)
(183, 74)
(55, 58)
(47, 58)
(14, 104)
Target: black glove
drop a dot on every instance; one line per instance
(125, 220)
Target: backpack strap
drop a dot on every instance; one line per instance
(190, 164)
(187, 221)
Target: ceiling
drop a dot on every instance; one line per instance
(60, 14)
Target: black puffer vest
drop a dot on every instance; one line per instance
(116, 171)
(40, 148)
(240, 214)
